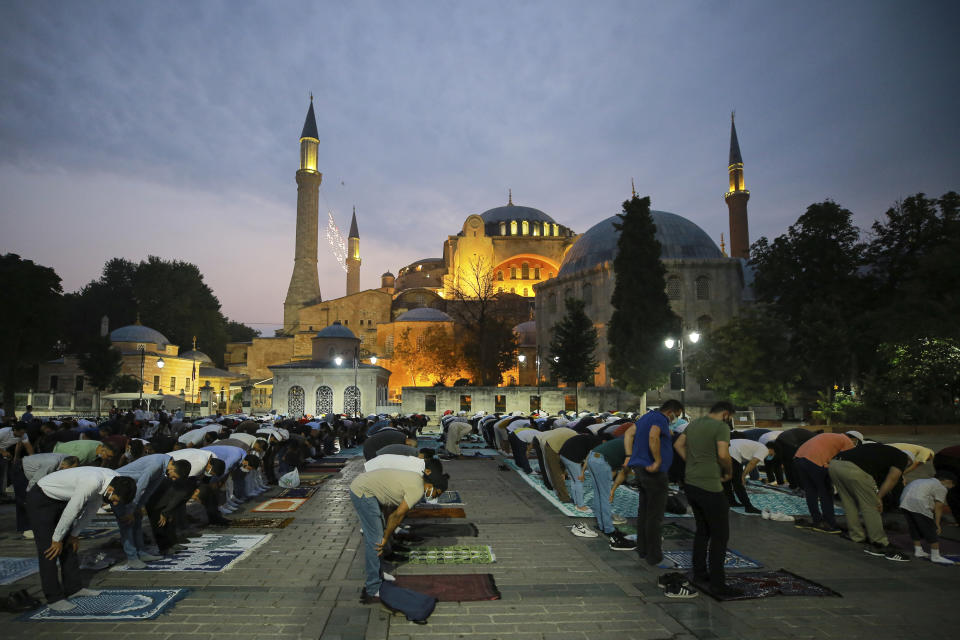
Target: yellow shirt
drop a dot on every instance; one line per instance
(920, 454)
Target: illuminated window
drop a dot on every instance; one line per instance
(513, 273)
(173, 384)
(546, 228)
(389, 346)
(556, 229)
(465, 402)
(499, 404)
(186, 385)
(674, 287)
(536, 273)
(703, 288)
(525, 291)
(500, 275)
(156, 383)
(526, 228)
(536, 230)
(513, 227)
(525, 271)
(503, 228)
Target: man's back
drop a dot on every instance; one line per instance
(703, 465)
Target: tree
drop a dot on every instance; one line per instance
(573, 346)
(408, 353)
(745, 360)
(440, 351)
(642, 317)
(30, 324)
(101, 364)
(918, 381)
(809, 279)
(239, 332)
(487, 342)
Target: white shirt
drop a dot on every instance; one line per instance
(245, 438)
(769, 436)
(198, 459)
(920, 496)
(393, 461)
(7, 439)
(83, 489)
(516, 424)
(743, 450)
(196, 435)
(526, 435)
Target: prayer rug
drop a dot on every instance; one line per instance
(444, 530)
(314, 481)
(446, 499)
(340, 460)
(765, 584)
(456, 554)
(318, 468)
(279, 505)
(113, 605)
(437, 512)
(260, 523)
(478, 454)
(625, 500)
(669, 530)
(351, 452)
(683, 559)
(100, 527)
(297, 492)
(772, 500)
(209, 553)
(13, 569)
(100, 559)
(947, 547)
(465, 587)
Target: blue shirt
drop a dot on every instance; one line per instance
(642, 456)
(231, 456)
(148, 471)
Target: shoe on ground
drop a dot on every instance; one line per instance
(582, 531)
(939, 560)
(583, 509)
(28, 534)
(389, 577)
(680, 591)
(667, 579)
(136, 563)
(62, 605)
(86, 593)
(781, 517)
(823, 527)
(618, 542)
(618, 519)
(876, 550)
(149, 557)
(897, 556)
(765, 514)
(365, 598)
(921, 554)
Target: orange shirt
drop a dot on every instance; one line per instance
(821, 448)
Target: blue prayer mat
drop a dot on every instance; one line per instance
(297, 492)
(779, 501)
(683, 559)
(209, 553)
(113, 604)
(350, 453)
(625, 500)
(13, 569)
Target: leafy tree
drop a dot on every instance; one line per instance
(101, 364)
(30, 324)
(239, 332)
(809, 279)
(642, 317)
(408, 353)
(125, 384)
(918, 382)
(573, 346)
(440, 350)
(745, 360)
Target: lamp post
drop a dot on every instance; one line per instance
(143, 357)
(521, 358)
(669, 343)
(539, 401)
(356, 366)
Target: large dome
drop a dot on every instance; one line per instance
(514, 212)
(424, 314)
(336, 330)
(138, 333)
(679, 239)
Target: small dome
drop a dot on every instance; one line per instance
(336, 330)
(138, 333)
(679, 239)
(530, 326)
(387, 274)
(198, 356)
(424, 314)
(514, 212)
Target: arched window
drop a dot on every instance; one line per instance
(500, 275)
(513, 227)
(587, 294)
(526, 227)
(513, 273)
(389, 346)
(546, 228)
(703, 323)
(552, 303)
(351, 400)
(525, 271)
(324, 400)
(536, 273)
(419, 299)
(674, 288)
(536, 229)
(703, 288)
(503, 228)
(295, 402)
(526, 291)
(556, 229)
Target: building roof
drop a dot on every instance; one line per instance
(679, 239)
(310, 124)
(514, 212)
(336, 330)
(423, 314)
(214, 372)
(734, 144)
(198, 356)
(138, 333)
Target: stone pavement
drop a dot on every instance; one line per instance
(305, 582)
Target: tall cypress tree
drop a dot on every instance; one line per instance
(642, 317)
(573, 349)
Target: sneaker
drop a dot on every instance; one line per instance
(921, 554)
(823, 527)
(667, 579)
(389, 577)
(937, 560)
(582, 531)
(618, 519)
(897, 556)
(149, 557)
(680, 591)
(781, 517)
(876, 550)
(368, 599)
(765, 514)
(619, 543)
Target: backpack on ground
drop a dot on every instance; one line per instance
(417, 607)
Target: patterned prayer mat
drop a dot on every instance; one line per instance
(683, 559)
(446, 499)
(351, 452)
(478, 454)
(279, 505)
(456, 554)
(765, 584)
(772, 500)
(625, 500)
(444, 530)
(13, 569)
(437, 512)
(101, 526)
(465, 587)
(297, 492)
(113, 605)
(208, 553)
(669, 530)
(314, 480)
(100, 559)
(260, 523)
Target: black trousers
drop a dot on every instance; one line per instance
(44, 513)
(519, 448)
(711, 512)
(543, 464)
(735, 486)
(169, 500)
(653, 501)
(679, 466)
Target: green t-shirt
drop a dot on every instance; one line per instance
(613, 451)
(703, 466)
(85, 450)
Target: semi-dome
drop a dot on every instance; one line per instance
(679, 239)
(336, 330)
(138, 333)
(423, 314)
(514, 212)
(197, 356)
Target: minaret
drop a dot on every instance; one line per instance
(353, 257)
(736, 197)
(304, 289)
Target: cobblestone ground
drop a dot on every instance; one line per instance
(305, 582)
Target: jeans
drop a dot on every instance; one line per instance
(576, 484)
(602, 477)
(711, 512)
(653, 501)
(368, 511)
(131, 533)
(816, 485)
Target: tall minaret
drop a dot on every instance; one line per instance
(304, 289)
(353, 257)
(736, 198)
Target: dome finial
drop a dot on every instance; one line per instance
(509, 197)
(633, 189)
(194, 343)
(723, 247)
(138, 318)
(311, 96)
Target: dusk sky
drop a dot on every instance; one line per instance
(171, 128)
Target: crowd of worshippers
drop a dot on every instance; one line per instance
(712, 463)
(139, 463)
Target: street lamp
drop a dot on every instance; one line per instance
(373, 359)
(338, 361)
(539, 400)
(669, 343)
(143, 356)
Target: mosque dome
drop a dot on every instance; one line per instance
(679, 239)
(198, 356)
(138, 333)
(514, 212)
(336, 330)
(424, 314)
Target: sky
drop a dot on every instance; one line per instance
(171, 128)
